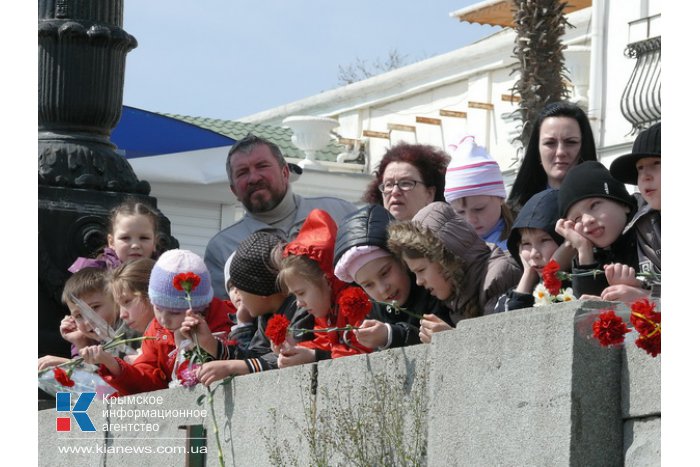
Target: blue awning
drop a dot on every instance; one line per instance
(141, 133)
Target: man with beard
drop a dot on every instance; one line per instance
(259, 179)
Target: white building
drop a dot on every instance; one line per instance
(438, 100)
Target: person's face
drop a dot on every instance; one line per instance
(482, 212)
(385, 280)
(649, 180)
(316, 298)
(102, 304)
(235, 295)
(560, 147)
(134, 310)
(536, 248)
(403, 205)
(169, 319)
(258, 180)
(430, 275)
(255, 305)
(133, 237)
(602, 219)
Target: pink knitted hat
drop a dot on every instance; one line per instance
(355, 258)
(472, 172)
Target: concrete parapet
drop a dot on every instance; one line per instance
(643, 442)
(526, 387)
(640, 382)
(523, 389)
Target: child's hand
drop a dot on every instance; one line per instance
(67, 325)
(530, 276)
(621, 274)
(69, 331)
(623, 293)
(295, 356)
(372, 334)
(194, 324)
(48, 361)
(211, 372)
(429, 325)
(95, 355)
(573, 233)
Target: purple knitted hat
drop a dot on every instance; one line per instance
(163, 293)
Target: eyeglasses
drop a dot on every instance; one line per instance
(404, 185)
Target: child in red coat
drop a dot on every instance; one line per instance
(306, 271)
(156, 366)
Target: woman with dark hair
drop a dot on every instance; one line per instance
(409, 177)
(561, 138)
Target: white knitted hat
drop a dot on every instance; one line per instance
(472, 171)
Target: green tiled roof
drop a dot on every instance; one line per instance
(282, 137)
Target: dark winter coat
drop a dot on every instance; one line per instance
(480, 272)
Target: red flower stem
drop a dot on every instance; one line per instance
(304, 331)
(109, 345)
(401, 309)
(210, 399)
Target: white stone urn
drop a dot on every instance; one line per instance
(311, 134)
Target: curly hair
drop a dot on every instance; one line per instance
(415, 241)
(531, 176)
(430, 161)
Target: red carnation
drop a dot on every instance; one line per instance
(354, 304)
(62, 377)
(644, 317)
(276, 329)
(609, 328)
(651, 344)
(186, 281)
(550, 277)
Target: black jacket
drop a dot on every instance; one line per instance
(258, 355)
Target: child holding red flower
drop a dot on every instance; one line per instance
(533, 242)
(255, 278)
(179, 286)
(306, 270)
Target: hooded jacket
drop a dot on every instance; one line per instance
(540, 212)
(368, 227)
(480, 272)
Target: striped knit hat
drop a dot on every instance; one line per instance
(161, 290)
(472, 172)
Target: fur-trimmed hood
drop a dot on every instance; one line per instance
(480, 272)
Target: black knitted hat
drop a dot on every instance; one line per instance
(540, 212)
(647, 144)
(251, 268)
(590, 179)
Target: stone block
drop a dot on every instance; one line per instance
(643, 442)
(640, 382)
(371, 409)
(524, 388)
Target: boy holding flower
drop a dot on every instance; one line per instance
(179, 286)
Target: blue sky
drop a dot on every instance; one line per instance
(228, 59)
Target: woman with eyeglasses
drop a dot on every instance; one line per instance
(409, 177)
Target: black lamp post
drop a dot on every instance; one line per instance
(82, 54)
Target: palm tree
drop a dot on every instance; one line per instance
(539, 25)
